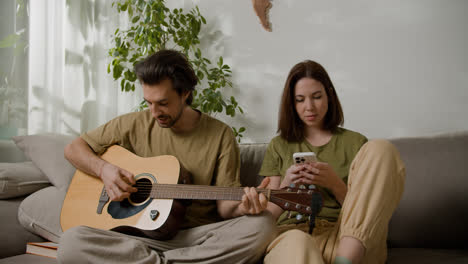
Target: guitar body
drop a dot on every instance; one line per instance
(155, 218)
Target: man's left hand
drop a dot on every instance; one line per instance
(252, 202)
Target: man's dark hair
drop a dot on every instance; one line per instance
(290, 125)
(168, 64)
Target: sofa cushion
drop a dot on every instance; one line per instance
(251, 160)
(433, 211)
(9, 152)
(40, 212)
(17, 179)
(46, 152)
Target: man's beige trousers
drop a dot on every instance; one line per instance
(239, 240)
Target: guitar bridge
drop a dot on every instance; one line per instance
(103, 199)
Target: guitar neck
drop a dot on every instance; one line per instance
(199, 192)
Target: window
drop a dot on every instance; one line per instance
(14, 20)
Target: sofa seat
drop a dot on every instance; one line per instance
(395, 255)
(427, 256)
(28, 258)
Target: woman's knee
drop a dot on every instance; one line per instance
(298, 237)
(381, 150)
(380, 146)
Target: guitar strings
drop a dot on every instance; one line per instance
(188, 187)
(234, 193)
(146, 189)
(161, 188)
(284, 201)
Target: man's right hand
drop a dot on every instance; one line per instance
(117, 181)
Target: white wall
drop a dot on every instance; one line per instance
(400, 67)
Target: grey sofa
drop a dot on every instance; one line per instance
(428, 226)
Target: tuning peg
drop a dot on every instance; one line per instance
(299, 217)
(312, 187)
(292, 185)
(289, 214)
(286, 205)
(302, 186)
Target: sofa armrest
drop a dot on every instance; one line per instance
(14, 236)
(433, 211)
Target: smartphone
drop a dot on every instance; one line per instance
(303, 157)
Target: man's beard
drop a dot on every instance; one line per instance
(171, 121)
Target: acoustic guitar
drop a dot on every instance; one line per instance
(154, 210)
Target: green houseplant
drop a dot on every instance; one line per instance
(153, 27)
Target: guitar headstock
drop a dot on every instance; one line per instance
(298, 199)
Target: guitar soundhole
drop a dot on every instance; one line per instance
(144, 189)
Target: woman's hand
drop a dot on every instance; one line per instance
(293, 175)
(322, 174)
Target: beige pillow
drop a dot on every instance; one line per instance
(46, 152)
(17, 179)
(40, 213)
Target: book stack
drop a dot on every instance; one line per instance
(46, 249)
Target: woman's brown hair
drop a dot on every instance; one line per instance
(290, 126)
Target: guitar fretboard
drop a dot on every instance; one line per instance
(201, 192)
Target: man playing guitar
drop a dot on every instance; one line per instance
(204, 146)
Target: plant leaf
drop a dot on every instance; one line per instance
(9, 41)
(135, 19)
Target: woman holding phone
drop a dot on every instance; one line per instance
(361, 181)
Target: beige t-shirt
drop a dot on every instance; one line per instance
(209, 152)
(339, 152)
